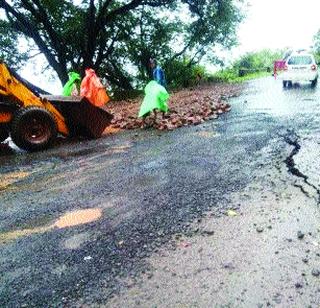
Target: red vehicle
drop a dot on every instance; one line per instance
(279, 65)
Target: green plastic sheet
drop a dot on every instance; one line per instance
(156, 97)
(69, 86)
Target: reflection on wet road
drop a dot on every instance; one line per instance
(297, 109)
(268, 96)
(126, 195)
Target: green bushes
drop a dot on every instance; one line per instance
(232, 75)
(182, 73)
(249, 66)
(258, 60)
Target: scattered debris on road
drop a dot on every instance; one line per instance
(186, 107)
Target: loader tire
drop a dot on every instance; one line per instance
(33, 129)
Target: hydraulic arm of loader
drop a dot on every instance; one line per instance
(12, 88)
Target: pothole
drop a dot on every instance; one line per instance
(71, 219)
(77, 218)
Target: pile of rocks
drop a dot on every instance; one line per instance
(187, 107)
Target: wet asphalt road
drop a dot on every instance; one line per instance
(150, 186)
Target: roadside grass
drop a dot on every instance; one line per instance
(232, 76)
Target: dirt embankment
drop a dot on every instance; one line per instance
(187, 107)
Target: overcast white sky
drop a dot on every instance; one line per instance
(269, 24)
(279, 24)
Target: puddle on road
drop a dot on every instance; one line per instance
(11, 178)
(71, 219)
(270, 97)
(79, 217)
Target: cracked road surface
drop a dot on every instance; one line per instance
(224, 214)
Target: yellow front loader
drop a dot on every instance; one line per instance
(33, 119)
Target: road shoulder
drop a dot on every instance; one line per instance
(265, 252)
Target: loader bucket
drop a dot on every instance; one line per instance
(82, 117)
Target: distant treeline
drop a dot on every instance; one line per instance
(316, 41)
(251, 65)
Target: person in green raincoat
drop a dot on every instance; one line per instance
(72, 87)
(156, 96)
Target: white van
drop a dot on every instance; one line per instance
(299, 67)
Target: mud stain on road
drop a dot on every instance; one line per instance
(93, 149)
(71, 219)
(79, 217)
(11, 236)
(11, 178)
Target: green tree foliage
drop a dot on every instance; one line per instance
(9, 51)
(183, 73)
(118, 37)
(316, 40)
(258, 60)
(250, 65)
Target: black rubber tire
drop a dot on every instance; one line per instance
(284, 83)
(314, 83)
(4, 134)
(33, 128)
(290, 84)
